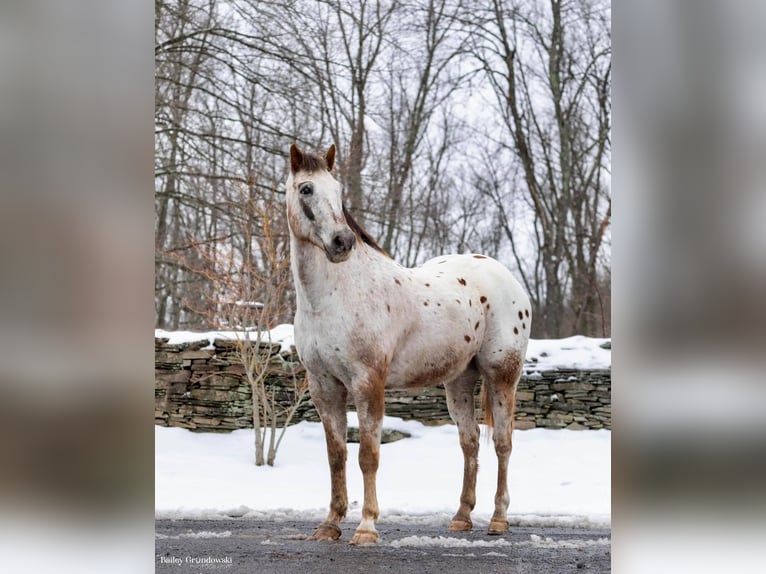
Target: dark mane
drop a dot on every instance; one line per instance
(360, 232)
(312, 162)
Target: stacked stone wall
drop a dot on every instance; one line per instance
(207, 390)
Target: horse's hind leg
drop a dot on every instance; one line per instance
(329, 397)
(461, 409)
(501, 380)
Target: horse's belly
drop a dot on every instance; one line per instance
(418, 366)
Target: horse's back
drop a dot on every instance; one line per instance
(489, 279)
(505, 304)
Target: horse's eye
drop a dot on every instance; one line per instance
(306, 189)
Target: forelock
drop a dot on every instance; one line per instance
(312, 162)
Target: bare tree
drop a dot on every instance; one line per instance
(550, 71)
(459, 127)
(251, 294)
(422, 76)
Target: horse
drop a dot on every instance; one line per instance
(364, 324)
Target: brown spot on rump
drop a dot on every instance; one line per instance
(428, 284)
(483, 299)
(397, 282)
(526, 312)
(461, 280)
(425, 303)
(458, 301)
(388, 307)
(467, 338)
(523, 325)
(479, 257)
(470, 303)
(521, 315)
(512, 366)
(487, 305)
(515, 330)
(476, 326)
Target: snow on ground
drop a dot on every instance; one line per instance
(190, 534)
(534, 540)
(282, 334)
(576, 352)
(557, 477)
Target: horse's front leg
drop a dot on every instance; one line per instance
(370, 406)
(329, 397)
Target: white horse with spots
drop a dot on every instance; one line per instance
(365, 324)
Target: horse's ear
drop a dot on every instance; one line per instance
(329, 157)
(296, 158)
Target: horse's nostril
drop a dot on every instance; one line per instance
(343, 242)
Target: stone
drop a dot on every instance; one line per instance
(559, 416)
(576, 394)
(197, 355)
(525, 396)
(532, 410)
(524, 424)
(171, 376)
(387, 436)
(572, 386)
(576, 426)
(163, 358)
(202, 367)
(550, 424)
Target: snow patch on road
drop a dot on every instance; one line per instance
(202, 534)
(534, 540)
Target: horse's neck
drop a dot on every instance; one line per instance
(320, 284)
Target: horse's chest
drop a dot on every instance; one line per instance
(329, 346)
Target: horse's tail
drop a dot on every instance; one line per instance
(486, 414)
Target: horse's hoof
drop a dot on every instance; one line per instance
(364, 537)
(497, 526)
(460, 525)
(326, 532)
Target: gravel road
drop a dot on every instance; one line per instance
(248, 546)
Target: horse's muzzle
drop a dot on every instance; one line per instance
(340, 246)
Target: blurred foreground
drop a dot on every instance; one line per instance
(75, 306)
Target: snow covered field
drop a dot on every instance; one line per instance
(557, 477)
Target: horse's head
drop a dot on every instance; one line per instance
(314, 204)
